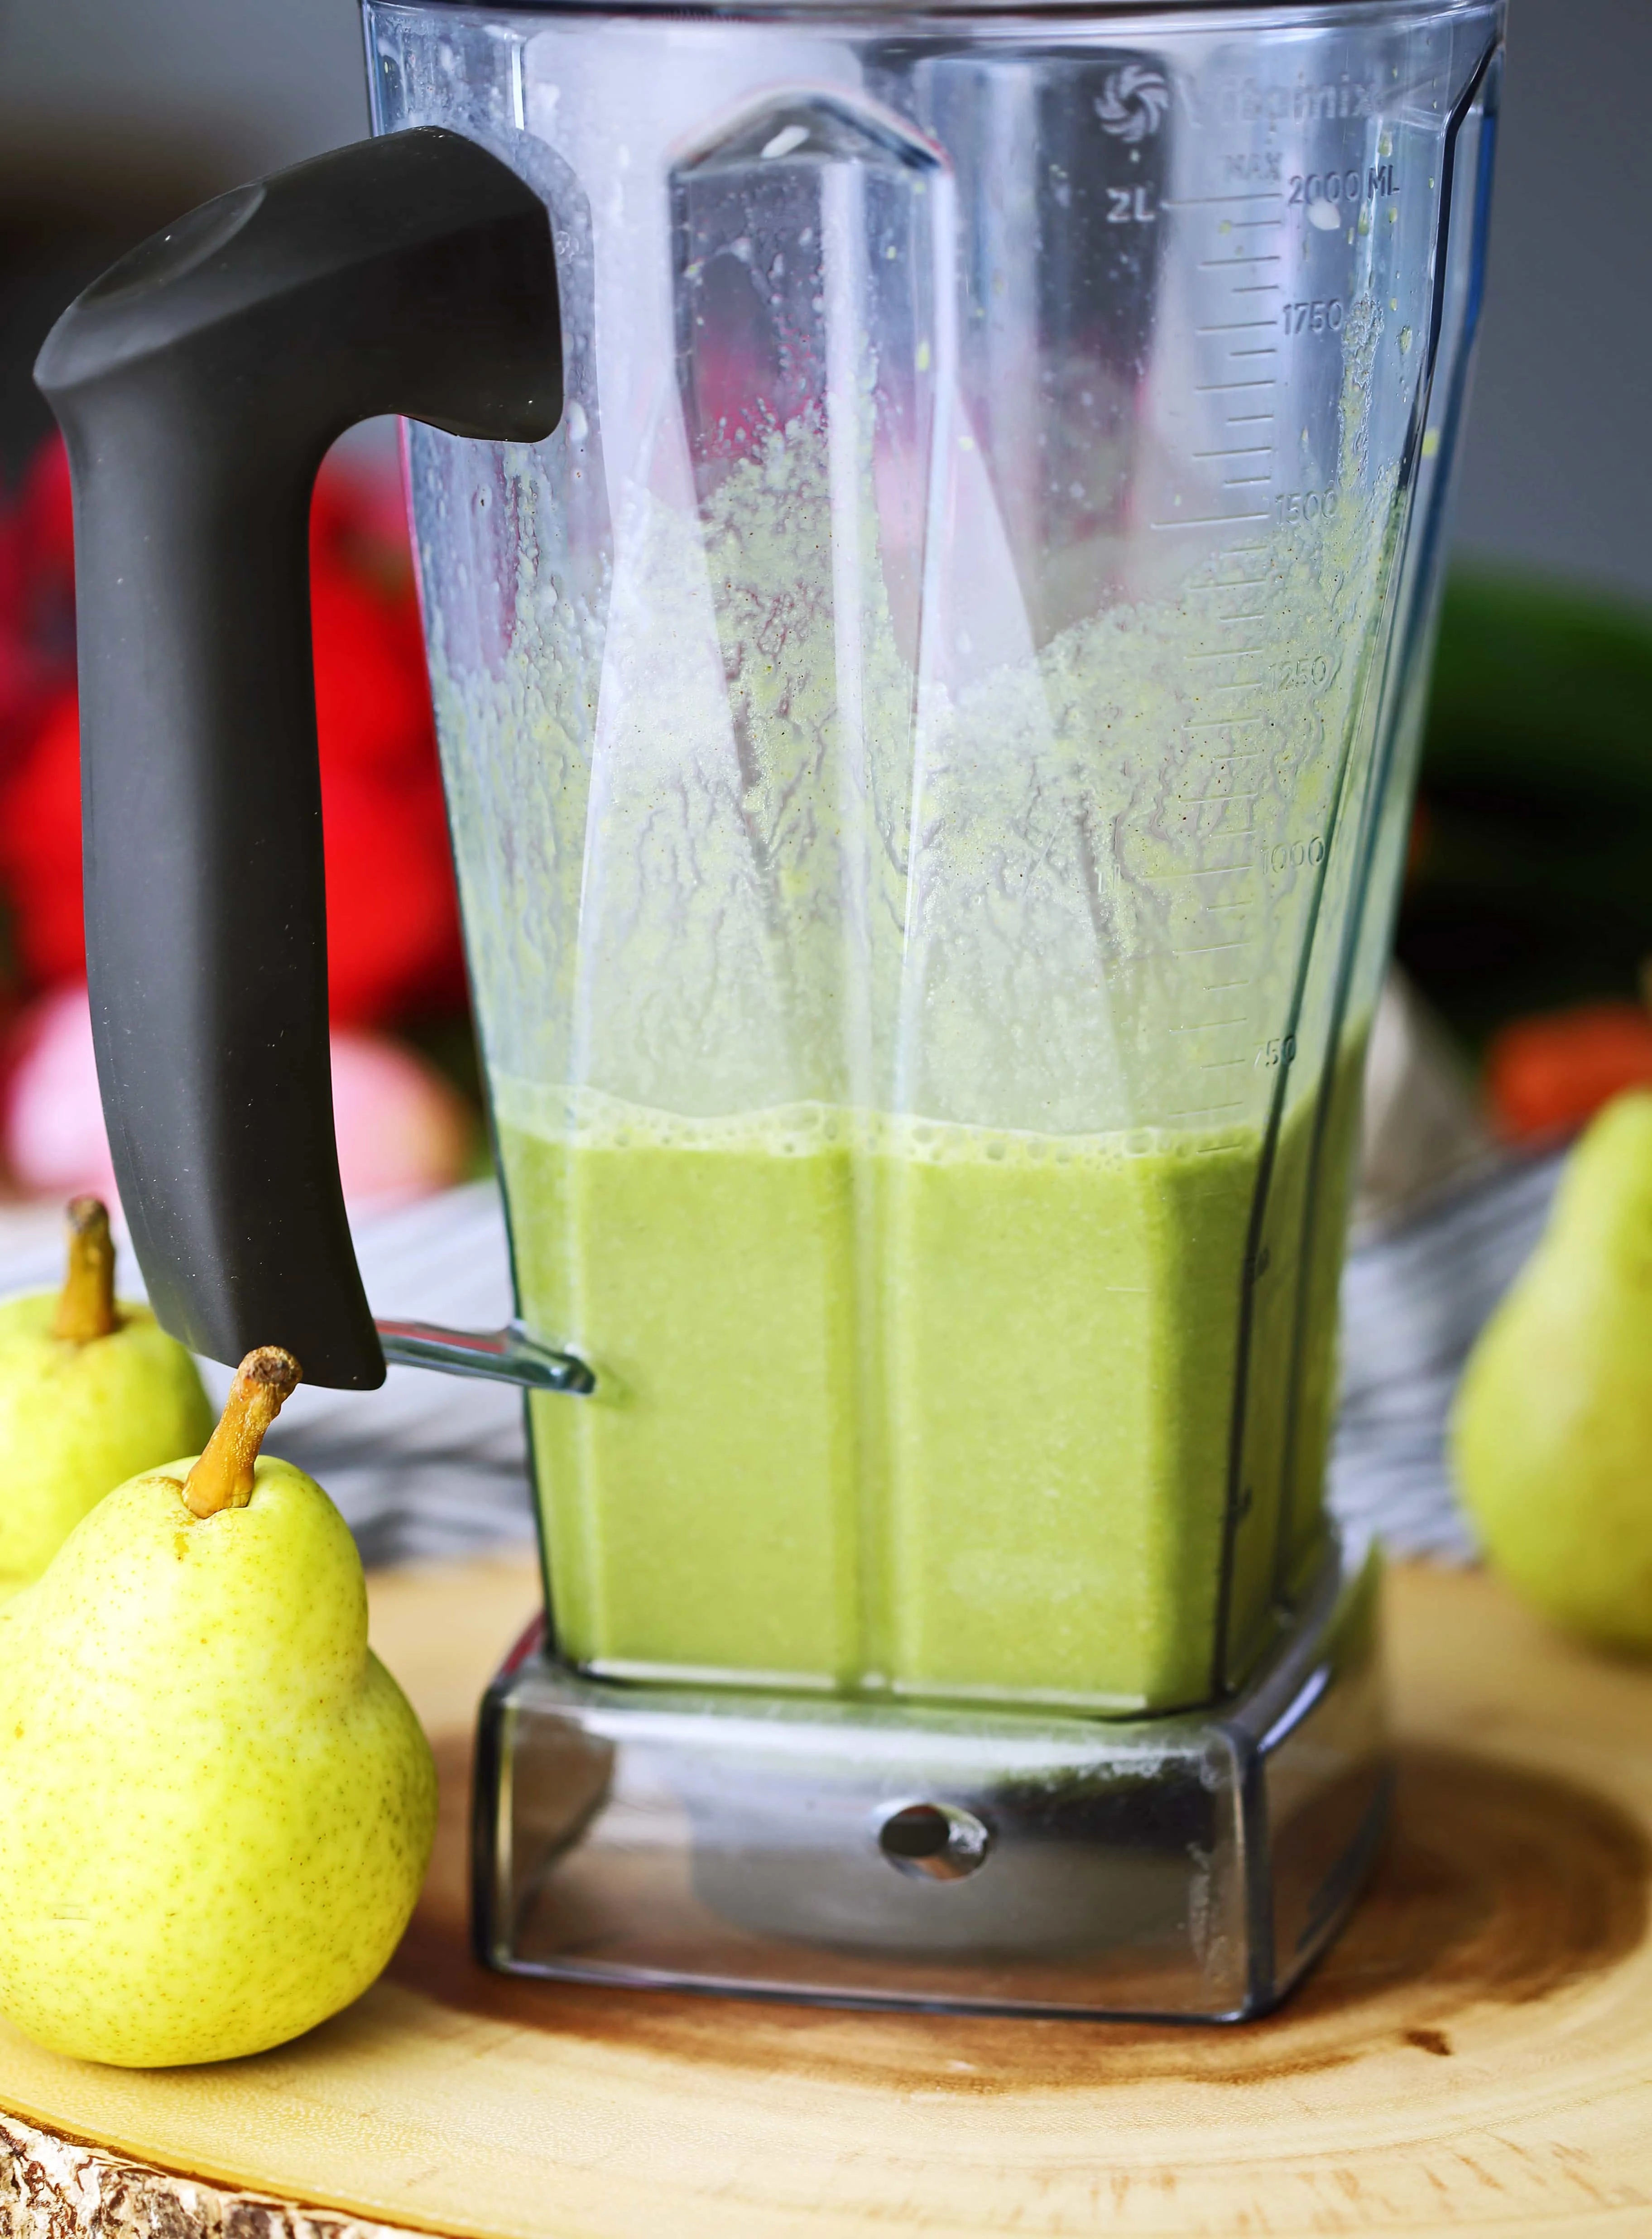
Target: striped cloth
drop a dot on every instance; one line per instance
(432, 1466)
(1415, 1297)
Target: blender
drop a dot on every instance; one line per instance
(928, 523)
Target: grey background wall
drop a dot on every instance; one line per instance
(252, 83)
(1559, 466)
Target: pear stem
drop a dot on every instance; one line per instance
(222, 1477)
(86, 1304)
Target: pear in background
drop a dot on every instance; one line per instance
(1551, 1435)
(217, 1807)
(92, 1390)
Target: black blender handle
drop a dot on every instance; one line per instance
(198, 384)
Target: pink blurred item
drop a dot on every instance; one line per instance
(54, 1143)
(402, 1131)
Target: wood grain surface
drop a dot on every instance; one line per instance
(1475, 2056)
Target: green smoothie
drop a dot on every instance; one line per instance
(907, 1407)
(1005, 1412)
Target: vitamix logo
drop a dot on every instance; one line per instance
(1244, 101)
(1132, 104)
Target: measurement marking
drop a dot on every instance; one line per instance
(1222, 723)
(1212, 520)
(1238, 451)
(1272, 350)
(1211, 948)
(1217, 871)
(1248, 419)
(1229, 653)
(1201, 201)
(1209, 1025)
(1232, 263)
(1221, 387)
(1261, 287)
(1219, 1064)
(1234, 327)
(1222, 986)
(1244, 482)
(1209, 1112)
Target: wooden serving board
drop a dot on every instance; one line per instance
(1475, 2055)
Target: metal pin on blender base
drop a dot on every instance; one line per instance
(503, 1356)
(906, 1854)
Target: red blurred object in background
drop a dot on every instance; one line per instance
(1546, 1076)
(37, 602)
(393, 922)
(392, 911)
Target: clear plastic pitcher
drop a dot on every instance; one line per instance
(929, 741)
(929, 736)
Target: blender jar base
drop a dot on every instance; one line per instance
(1189, 1868)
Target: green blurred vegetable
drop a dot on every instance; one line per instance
(1532, 881)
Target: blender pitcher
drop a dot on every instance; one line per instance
(927, 525)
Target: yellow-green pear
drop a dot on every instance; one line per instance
(92, 1390)
(217, 1806)
(1551, 1436)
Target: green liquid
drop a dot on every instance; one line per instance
(932, 1409)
